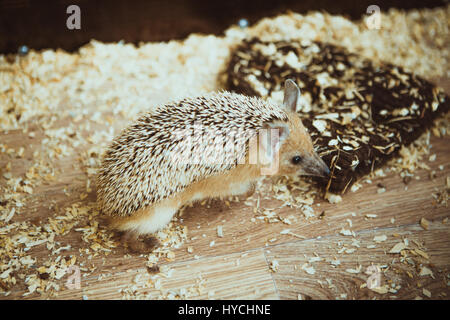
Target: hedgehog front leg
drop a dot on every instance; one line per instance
(245, 189)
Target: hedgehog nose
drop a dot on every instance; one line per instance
(323, 169)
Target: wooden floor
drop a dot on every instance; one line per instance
(318, 258)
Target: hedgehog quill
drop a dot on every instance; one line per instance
(212, 146)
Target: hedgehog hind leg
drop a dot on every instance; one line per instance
(157, 219)
(147, 220)
(144, 222)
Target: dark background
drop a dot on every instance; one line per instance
(42, 23)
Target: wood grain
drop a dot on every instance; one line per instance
(257, 243)
(334, 282)
(233, 276)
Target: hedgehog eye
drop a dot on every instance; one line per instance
(296, 159)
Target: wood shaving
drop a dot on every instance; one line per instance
(424, 223)
(274, 265)
(380, 238)
(398, 248)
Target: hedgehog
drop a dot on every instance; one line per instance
(212, 146)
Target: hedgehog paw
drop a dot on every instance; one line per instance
(250, 191)
(151, 243)
(135, 245)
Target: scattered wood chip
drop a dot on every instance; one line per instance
(381, 290)
(355, 271)
(398, 248)
(380, 238)
(424, 271)
(424, 223)
(220, 231)
(274, 265)
(422, 253)
(426, 293)
(333, 198)
(308, 269)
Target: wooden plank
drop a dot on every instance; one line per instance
(323, 280)
(234, 276)
(405, 206)
(240, 227)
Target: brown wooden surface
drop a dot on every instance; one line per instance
(238, 265)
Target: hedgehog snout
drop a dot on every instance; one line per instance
(315, 166)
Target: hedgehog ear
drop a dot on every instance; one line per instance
(291, 95)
